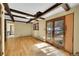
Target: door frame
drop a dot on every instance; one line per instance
(64, 33)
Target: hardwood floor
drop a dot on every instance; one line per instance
(21, 46)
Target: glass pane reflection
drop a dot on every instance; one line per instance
(49, 30)
(59, 32)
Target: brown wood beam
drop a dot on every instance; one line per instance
(8, 10)
(46, 11)
(15, 21)
(17, 16)
(51, 8)
(20, 12)
(66, 7)
(17, 11)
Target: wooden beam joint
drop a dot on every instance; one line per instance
(66, 7)
(8, 10)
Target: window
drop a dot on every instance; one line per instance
(36, 26)
(49, 30)
(10, 29)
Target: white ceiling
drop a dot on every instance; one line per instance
(33, 8)
(55, 11)
(30, 8)
(72, 5)
(59, 10)
(22, 15)
(16, 18)
(21, 19)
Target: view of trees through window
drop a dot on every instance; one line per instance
(55, 31)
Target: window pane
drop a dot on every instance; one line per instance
(49, 30)
(59, 32)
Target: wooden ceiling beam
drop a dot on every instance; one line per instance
(66, 7)
(51, 8)
(17, 16)
(15, 21)
(46, 11)
(20, 12)
(8, 10)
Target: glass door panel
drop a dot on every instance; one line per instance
(59, 32)
(49, 30)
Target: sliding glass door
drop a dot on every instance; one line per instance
(49, 31)
(55, 32)
(59, 32)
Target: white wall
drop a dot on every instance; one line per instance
(22, 29)
(42, 29)
(40, 34)
(35, 33)
(76, 30)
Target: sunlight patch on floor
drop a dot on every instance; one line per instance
(41, 45)
(49, 50)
